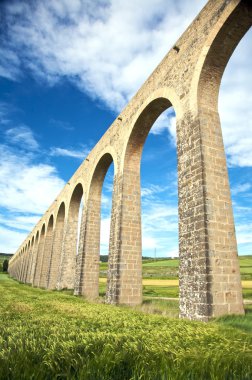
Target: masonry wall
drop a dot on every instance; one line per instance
(188, 78)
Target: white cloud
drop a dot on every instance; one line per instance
(4, 113)
(9, 63)
(152, 190)
(21, 136)
(107, 49)
(244, 238)
(105, 228)
(74, 153)
(10, 240)
(21, 222)
(166, 122)
(26, 186)
(27, 189)
(240, 188)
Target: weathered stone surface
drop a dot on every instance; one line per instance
(188, 78)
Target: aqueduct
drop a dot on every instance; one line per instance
(188, 78)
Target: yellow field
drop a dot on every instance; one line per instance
(156, 282)
(247, 284)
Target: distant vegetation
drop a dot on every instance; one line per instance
(4, 260)
(168, 268)
(54, 335)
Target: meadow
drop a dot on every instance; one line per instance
(54, 335)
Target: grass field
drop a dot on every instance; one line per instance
(54, 335)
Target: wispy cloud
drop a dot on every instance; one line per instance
(241, 188)
(61, 124)
(21, 136)
(152, 190)
(9, 63)
(26, 186)
(66, 152)
(166, 122)
(10, 240)
(4, 114)
(23, 222)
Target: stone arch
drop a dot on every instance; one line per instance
(40, 252)
(125, 271)
(69, 251)
(87, 271)
(57, 246)
(47, 253)
(141, 130)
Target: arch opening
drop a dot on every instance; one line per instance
(90, 242)
(106, 209)
(132, 231)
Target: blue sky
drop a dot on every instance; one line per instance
(67, 68)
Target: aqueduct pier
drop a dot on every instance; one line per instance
(188, 78)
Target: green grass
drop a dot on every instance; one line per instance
(161, 291)
(243, 323)
(150, 291)
(246, 267)
(171, 263)
(54, 335)
(247, 293)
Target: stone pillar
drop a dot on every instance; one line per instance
(29, 263)
(46, 257)
(34, 260)
(19, 268)
(22, 268)
(125, 255)
(209, 274)
(68, 260)
(88, 259)
(39, 260)
(56, 255)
